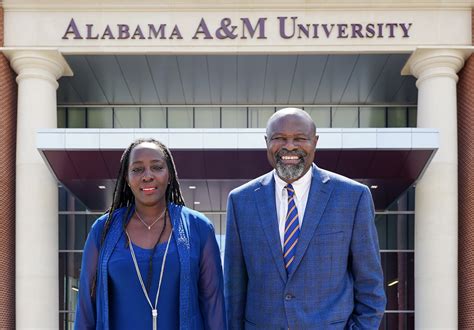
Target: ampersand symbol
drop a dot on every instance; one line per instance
(226, 30)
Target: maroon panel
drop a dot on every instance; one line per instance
(415, 163)
(61, 164)
(112, 162)
(252, 163)
(387, 163)
(88, 165)
(327, 159)
(221, 164)
(355, 163)
(189, 163)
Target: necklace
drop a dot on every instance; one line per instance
(153, 223)
(154, 310)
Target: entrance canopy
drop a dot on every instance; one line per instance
(211, 162)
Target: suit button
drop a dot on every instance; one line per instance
(289, 296)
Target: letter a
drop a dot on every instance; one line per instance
(72, 28)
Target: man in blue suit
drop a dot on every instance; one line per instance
(301, 246)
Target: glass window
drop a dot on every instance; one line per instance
(397, 117)
(343, 117)
(180, 117)
(398, 268)
(61, 120)
(234, 117)
(62, 198)
(320, 115)
(99, 118)
(127, 117)
(69, 270)
(372, 117)
(73, 230)
(395, 231)
(153, 117)
(76, 117)
(66, 321)
(67, 201)
(412, 114)
(392, 321)
(405, 202)
(207, 117)
(258, 116)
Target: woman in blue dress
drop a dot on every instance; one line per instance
(150, 262)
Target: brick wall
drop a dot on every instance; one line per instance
(8, 90)
(466, 192)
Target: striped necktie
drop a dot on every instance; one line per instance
(292, 230)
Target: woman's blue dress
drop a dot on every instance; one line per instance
(129, 308)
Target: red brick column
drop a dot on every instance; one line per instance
(8, 99)
(466, 192)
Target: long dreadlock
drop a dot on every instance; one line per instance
(123, 196)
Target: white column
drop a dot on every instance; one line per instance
(436, 204)
(37, 299)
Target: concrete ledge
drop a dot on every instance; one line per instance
(197, 139)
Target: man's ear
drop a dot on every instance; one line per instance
(266, 139)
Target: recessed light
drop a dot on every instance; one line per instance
(393, 283)
(197, 203)
(101, 187)
(192, 187)
(374, 186)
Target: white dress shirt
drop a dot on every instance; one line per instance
(301, 187)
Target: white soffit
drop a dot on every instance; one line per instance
(239, 139)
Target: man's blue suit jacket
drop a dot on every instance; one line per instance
(337, 282)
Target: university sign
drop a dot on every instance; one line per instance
(286, 27)
(170, 30)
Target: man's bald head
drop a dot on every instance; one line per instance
(287, 113)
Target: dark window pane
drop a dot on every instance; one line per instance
(61, 117)
(69, 269)
(76, 117)
(396, 321)
(62, 196)
(412, 114)
(73, 230)
(398, 268)
(66, 321)
(397, 117)
(395, 231)
(372, 117)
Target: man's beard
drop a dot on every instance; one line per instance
(289, 172)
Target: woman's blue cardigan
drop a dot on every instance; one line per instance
(201, 299)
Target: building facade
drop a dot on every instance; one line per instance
(389, 85)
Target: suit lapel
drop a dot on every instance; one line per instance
(265, 197)
(318, 197)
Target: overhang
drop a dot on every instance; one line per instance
(86, 161)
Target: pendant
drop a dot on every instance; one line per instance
(154, 315)
(149, 227)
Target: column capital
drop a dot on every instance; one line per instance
(47, 64)
(429, 62)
